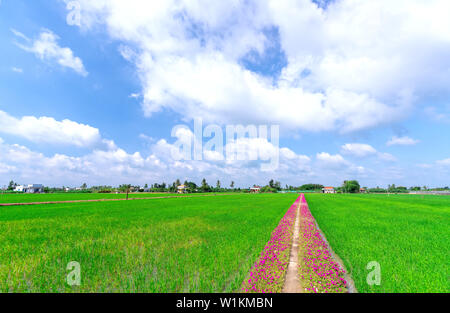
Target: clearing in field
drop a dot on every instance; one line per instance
(199, 244)
(407, 235)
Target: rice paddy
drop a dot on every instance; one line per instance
(56, 197)
(407, 235)
(230, 243)
(200, 244)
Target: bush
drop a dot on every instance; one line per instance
(351, 186)
(268, 189)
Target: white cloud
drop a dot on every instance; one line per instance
(116, 166)
(445, 162)
(20, 35)
(368, 60)
(17, 70)
(48, 130)
(358, 150)
(331, 161)
(425, 165)
(99, 166)
(438, 114)
(46, 47)
(402, 141)
(147, 138)
(387, 157)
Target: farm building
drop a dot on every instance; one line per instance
(35, 188)
(362, 190)
(328, 190)
(19, 188)
(255, 189)
(182, 189)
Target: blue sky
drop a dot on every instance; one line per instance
(356, 95)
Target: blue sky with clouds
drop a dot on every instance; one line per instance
(360, 90)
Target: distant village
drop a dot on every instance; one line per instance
(352, 186)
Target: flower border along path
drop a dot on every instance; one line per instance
(292, 282)
(319, 272)
(268, 273)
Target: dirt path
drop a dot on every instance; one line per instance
(292, 281)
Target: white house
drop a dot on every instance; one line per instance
(19, 188)
(255, 189)
(35, 188)
(328, 190)
(182, 189)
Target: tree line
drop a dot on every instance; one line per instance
(349, 186)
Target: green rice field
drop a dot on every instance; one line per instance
(52, 197)
(408, 235)
(209, 244)
(199, 244)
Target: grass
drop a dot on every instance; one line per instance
(408, 235)
(52, 197)
(202, 244)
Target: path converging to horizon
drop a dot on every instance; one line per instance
(292, 282)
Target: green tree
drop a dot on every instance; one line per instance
(11, 185)
(311, 187)
(192, 187)
(205, 187)
(268, 189)
(278, 186)
(125, 188)
(84, 186)
(218, 185)
(232, 185)
(351, 186)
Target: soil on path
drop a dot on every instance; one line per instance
(292, 282)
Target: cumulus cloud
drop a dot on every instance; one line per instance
(402, 141)
(98, 166)
(332, 161)
(334, 168)
(50, 131)
(46, 47)
(257, 153)
(360, 150)
(116, 166)
(354, 65)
